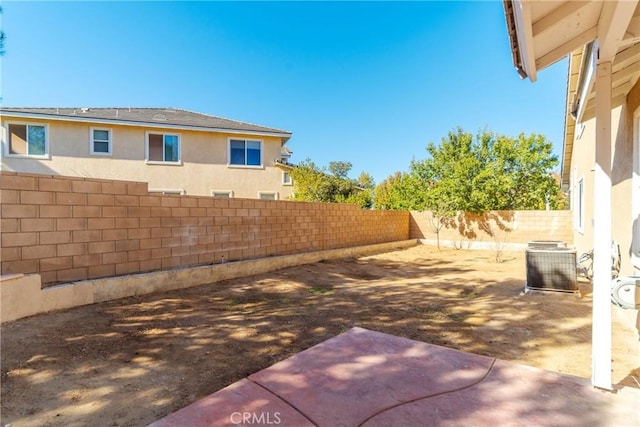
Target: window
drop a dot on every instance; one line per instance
(579, 206)
(168, 192)
(27, 140)
(265, 195)
(286, 178)
(245, 152)
(100, 141)
(163, 148)
(222, 194)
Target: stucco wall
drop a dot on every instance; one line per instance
(69, 229)
(509, 227)
(622, 170)
(203, 169)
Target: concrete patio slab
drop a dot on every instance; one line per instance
(241, 403)
(367, 378)
(362, 372)
(517, 395)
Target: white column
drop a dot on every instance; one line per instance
(601, 330)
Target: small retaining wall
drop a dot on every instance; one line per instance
(22, 295)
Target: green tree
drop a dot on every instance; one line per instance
(314, 184)
(366, 181)
(362, 192)
(401, 191)
(385, 193)
(488, 172)
(310, 183)
(340, 169)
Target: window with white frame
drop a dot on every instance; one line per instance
(163, 147)
(179, 192)
(222, 194)
(245, 152)
(100, 143)
(286, 178)
(579, 206)
(267, 195)
(27, 140)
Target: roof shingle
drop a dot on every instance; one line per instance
(158, 116)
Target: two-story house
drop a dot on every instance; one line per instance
(175, 151)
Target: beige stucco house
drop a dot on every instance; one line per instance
(175, 151)
(601, 159)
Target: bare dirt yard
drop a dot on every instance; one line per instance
(132, 361)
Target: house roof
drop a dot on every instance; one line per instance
(154, 117)
(544, 32)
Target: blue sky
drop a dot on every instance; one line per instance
(369, 83)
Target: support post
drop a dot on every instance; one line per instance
(601, 329)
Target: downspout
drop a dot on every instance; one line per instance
(585, 81)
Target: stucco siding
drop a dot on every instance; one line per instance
(622, 170)
(203, 156)
(582, 170)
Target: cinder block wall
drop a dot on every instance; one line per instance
(509, 226)
(69, 229)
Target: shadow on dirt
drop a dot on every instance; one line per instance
(135, 360)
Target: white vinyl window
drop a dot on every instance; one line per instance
(222, 194)
(267, 195)
(245, 152)
(173, 191)
(162, 148)
(579, 206)
(286, 178)
(27, 140)
(100, 141)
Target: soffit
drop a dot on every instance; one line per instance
(544, 32)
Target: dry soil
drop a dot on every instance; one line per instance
(132, 361)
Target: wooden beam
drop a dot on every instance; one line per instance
(566, 48)
(590, 111)
(621, 91)
(612, 25)
(625, 43)
(601, 326)
(555, 16)
(633, 30)
(626, 72)
(627, 54)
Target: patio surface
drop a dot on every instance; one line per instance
(366, 378)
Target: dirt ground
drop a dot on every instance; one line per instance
(132, 361)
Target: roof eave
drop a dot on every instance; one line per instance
(513, 39)
(520, 37)
(25, 115)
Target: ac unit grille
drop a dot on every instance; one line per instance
(552, 269)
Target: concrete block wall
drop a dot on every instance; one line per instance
(68, 229)
(517, 227)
